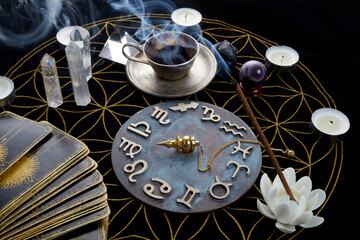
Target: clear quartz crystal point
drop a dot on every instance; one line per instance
(83, 41)
(51, 81)
(77, 74)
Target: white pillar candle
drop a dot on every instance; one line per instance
(63, 35)
(281, 58)
(186, 17)
(7, 91)
(330, 121)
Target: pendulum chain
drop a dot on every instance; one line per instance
(288, 152)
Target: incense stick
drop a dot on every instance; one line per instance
(264, 140)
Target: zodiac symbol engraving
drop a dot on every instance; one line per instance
(235, 125)
(184, 107)
(231, 130)
(213, 117)
(244, 151)
(161, 115)
(132, 146)
(189, 195)
(164, 189)
(238, 166)
(130, 168)
(221, 184)
(145, 133)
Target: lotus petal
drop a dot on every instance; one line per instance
(282, 213)
(321, 198)
(265, 186)
(303, 191)
(296, 193)
(265, 210)
(293, 210)
(277, 182)
(285, 228)
(311, 202)
(303, 218)
(304, 181)
(281, 198)
(314, 221)
(270, 198)
(301, 205)
(290, 176)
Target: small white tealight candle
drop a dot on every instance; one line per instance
(186, 17)
(7, 91)
(63, 35)
(330, 121)
(281, 58)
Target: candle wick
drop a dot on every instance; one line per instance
(186, 17)
(331, 122)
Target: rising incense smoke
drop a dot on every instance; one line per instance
(26, 22)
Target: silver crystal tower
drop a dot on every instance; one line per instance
(51, 81)
(77, 74)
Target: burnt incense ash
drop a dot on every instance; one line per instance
(172, 55)
(170, 50)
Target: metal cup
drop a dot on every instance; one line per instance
(169, 67)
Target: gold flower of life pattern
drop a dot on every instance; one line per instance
(283, 110)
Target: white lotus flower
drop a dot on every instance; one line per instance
(286, 212)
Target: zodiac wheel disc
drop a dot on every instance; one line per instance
(170, 180)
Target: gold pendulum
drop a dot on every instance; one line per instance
(186, 144)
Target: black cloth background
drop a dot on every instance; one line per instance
(326, 36)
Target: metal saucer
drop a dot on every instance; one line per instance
(143, 77)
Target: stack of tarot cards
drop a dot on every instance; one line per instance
(49, 187)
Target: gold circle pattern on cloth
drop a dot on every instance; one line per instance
(283, 110)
